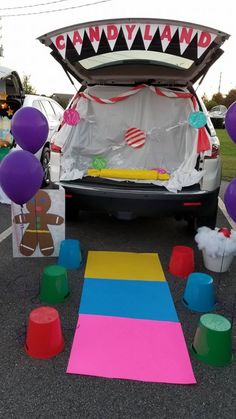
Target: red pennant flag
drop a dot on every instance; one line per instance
(203, 140)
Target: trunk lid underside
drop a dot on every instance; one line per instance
(136, 50)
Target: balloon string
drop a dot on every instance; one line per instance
(222, 260)
(22, 225)
(16, 231)
(233, 311)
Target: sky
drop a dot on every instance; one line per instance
(26, 55)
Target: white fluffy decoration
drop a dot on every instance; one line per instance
(215, 243)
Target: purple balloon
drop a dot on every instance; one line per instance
(21, 175)
(29, 128)
(230, 121)
(230, 199)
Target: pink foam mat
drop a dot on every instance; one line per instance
(134, 349)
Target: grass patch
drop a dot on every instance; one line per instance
(228, 155)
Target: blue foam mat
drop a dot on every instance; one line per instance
(150, 300)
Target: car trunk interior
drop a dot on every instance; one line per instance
(130, 133)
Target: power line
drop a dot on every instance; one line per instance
(31, 5)
(56, 10)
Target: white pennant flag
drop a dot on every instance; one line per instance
(112, 33)
(186, 36)
(60, 43)
(166, 34)
(148, 32)
(130, 31)
(76, 38)
(94, 34)
(205, 39)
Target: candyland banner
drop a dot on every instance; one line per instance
(38, 227)
(84, 42)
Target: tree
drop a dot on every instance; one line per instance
(230, 98)
(28, 88)
(210, 104)
(218, 98)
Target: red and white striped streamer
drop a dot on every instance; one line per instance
(136, 89)
(203, 136)
(135, 137)
(114, 99)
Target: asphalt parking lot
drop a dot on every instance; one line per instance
(33, 388)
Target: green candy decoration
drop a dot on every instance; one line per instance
(99, 163)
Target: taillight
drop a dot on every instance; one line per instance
(215, 151)
(192, 204)
(55, 148)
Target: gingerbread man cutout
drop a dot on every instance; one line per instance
(37, 231)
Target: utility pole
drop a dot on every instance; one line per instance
(1, 45)
(219, 88)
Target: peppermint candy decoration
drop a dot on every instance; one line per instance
(135, 137)
(71, 116)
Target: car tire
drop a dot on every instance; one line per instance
(203, 221)
(45, 162)
(209, 220)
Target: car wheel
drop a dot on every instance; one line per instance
(203, 221)
(45, 161)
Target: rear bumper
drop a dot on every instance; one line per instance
(146, 200)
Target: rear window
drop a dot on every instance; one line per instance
(150, 57)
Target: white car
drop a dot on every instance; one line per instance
(137, 149)
(13, 98)
(217, 115)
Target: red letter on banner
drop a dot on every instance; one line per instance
(166, 33)
(130, 29)
(94, 34)
(60, 42)
(147, 36)
(77, 38)
(186, 35)
(112, 32)
(204, 40)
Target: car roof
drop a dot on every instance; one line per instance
(10, 78)
(30, 98)
(5, 72)
(134, 50)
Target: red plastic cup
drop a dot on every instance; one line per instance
(181, 261)
(44, 335)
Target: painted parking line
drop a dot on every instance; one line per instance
(224, 211)
(5, 234)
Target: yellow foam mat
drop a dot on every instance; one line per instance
(124, 265)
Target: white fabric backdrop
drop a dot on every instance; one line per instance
(171, 142)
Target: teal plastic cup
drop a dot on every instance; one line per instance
(213, 340)
(54, 285)
(199, 293)
(70, 254)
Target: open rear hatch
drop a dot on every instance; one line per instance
(135, 50)
(134, 114)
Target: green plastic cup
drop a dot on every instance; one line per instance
(4, 152)
(54, 285)
(213, 340)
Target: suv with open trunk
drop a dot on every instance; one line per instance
(136, 139)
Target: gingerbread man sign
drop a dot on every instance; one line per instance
(34, 225)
